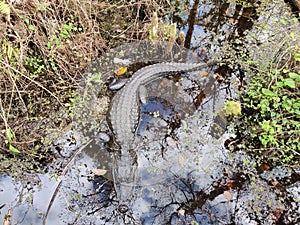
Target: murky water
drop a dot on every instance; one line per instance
(185, 174)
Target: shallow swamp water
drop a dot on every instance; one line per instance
(186, 175)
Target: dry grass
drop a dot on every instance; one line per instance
(46, 47)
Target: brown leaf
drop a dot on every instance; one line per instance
(277, 213)
(7, 218)
(219, 78)
(203, 73)
(231, 20)
(227, 195)
(199, 99)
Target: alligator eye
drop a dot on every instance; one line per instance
(123, 208)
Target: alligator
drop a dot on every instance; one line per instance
(124, 121)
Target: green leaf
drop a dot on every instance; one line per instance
(31, 27)
(268, 92)
(265, 125)
(283, 21)
(49, 45)
(294, 76)
(9, 135)
(95, 78)
(279, 84)
(68, 27)
(13, 149)
(289, 82)
(297, 57)
(57, 42)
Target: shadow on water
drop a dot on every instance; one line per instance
(186, 175)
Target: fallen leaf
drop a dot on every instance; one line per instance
(7, 218)
(233, 108)
(231, 20)
(99, 172)
(219, 78)
(121, 71)
(277, 213)
(227, 195)
(203, 73)
(265, 166)
(200, 98)
(181, 212)
(181, 160)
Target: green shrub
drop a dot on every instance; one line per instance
(272, 114)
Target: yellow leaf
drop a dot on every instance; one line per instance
(181, 212)
(121, 71)
(233, 108)
(99, 172)
(9, 51)
(170, 31)
(4, 8)
(153, 31)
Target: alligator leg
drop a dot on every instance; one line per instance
(143, 94)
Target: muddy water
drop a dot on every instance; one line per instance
(185, 174)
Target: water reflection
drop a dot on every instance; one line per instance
(186, 178)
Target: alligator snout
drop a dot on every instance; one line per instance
(123, 208)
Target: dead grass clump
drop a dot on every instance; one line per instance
(45, 48)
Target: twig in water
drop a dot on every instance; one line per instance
(60, 182)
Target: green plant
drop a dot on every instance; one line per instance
(232, 108)
(9, 140)
(34, 64)
(65, 33)
(272, 105)
(70, 105)
(8, 50)
(160, 31)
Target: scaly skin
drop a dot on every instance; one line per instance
(124, 120)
